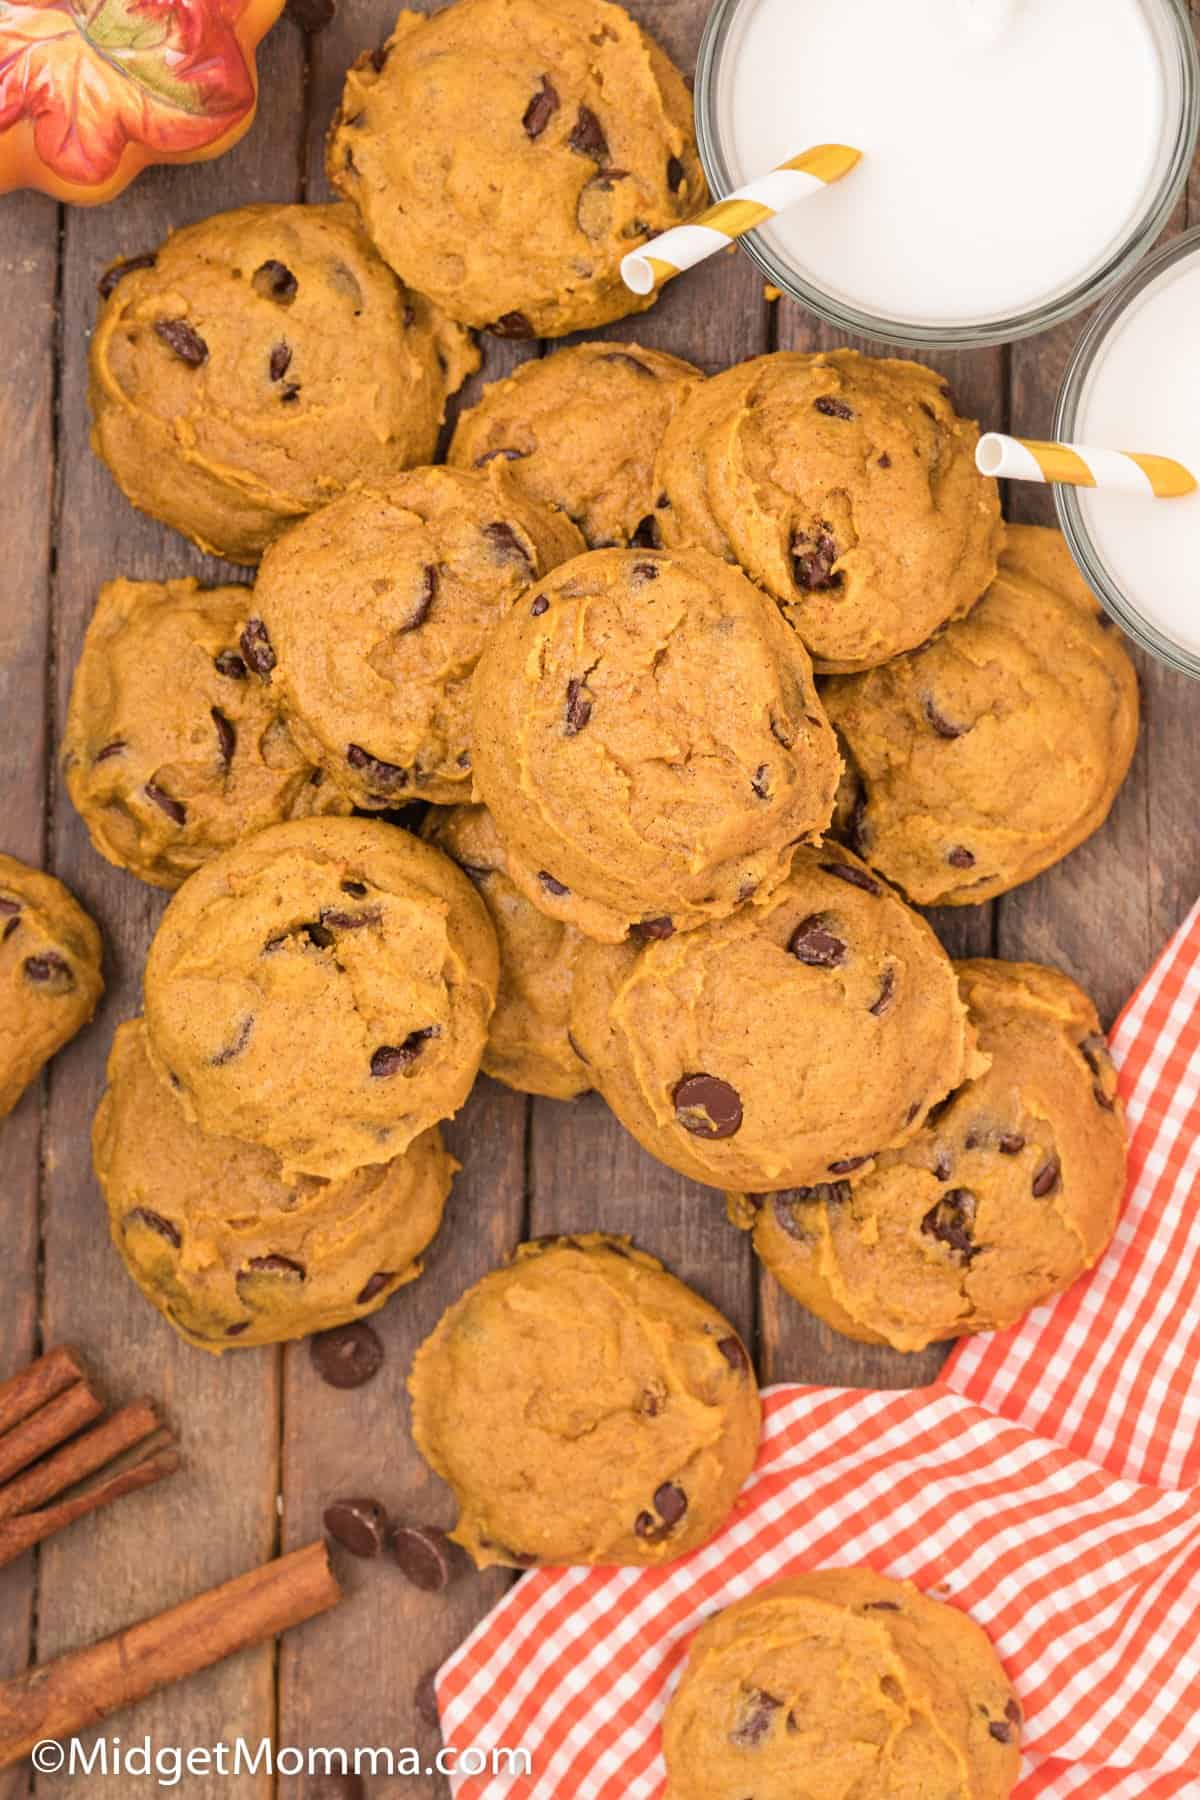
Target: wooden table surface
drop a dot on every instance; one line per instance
(267, 1443)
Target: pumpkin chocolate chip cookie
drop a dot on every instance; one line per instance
(529, 1044)
(649, 743)
(1010, 1191)
(173, 748)
(846, 486)
(226, 1249)
(50, 980)
(371, 616)
(257, 365)
(322, 990)
(506, 154)
(580, 430)
(840, 1684)
(979, 760)
(585, 1407)
(793, 1041)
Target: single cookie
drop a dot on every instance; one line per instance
(257, 365)
(979, 760)
(50, 980)
(371, 616)
(792, 1042)
(1009, 1193)
(506, 154)
(649, 742)
(322, 990)
(529, 1044)
(842, 1685)
(580, 431)
(173, 749)
(846, 486)
(226, 1249)
(585, 1407)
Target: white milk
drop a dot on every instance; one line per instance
(1010, 145)
(1143, 393)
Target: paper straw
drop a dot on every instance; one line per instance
(686, 245)
(1118, 471)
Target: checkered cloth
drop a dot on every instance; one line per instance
(1044, 1484)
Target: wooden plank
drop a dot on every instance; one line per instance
(29, 264)
(217, 1517)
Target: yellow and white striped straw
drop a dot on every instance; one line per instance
(1118, 471)
(686, 245)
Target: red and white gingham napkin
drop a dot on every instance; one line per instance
(1043, 1484)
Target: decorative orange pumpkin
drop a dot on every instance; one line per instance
(91, 91)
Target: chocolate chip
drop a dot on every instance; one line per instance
(1047, 1178)
(1011, 1144)
(274, 281)
(1102, 1099)
(833, 409)
(887, 989)
(880, 1606)
(734, 1352)
(856, 877)
(427, 1557)
(347, 1357)
(317, 935)
(670, 1503)
(551, 885)
(256, 648)
(647, 536)
(1094, 1051)
(180, 338)
(10, 925)
(290, 393)
(652, 929)
(154, 1221)
(382, 774)
(885, 461)
(429, 587)
(231, 665)
(174, 809)
(540, 605)
(760, 782)
(675, 174)
(237, 1330)
(960, 857)
(378, 58)
(825, 1193)
(1001, 1731)
(226, 734)
(707, 1106)
(506, 545)
(512, 325)
(848, 1164)
(579, 709)
(812, 562)
(781, 733)
(281, 361)
(541, 109)
(357, 888)
(951, 1222)
(489, 456)
(390, 1059)
(375, 1286)
(9, 908)
(759, 1709)
(814, 944)
(235, 1048)
(283, 1266)
(1012, 1713)
(361, 1525)
(348, 921)
(587, 137)
(941, 724)
(119, 270)
(425, 1699)
(113, 749)
(943, 1165)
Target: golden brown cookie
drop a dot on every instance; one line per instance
(50, 980)
(649, 742)
(585, 1407)
(979, 760)
(846, 486)
(174, 748)
(580, 430)
(322, 990)
(506, 154)
(1010, 1192)
(842, 1685)
(529, 1046)
(791, 1042)
(257, 365)
(226, 1249)
(372, 615)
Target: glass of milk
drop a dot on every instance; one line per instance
(1134, 384)
(1020, 156)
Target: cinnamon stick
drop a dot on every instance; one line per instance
(79, 1459)
(64, 1697)
(20, 1534)
(44, 1380)
(47, 1428)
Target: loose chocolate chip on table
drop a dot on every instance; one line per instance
(587, 136)
(427, 1557)
(256, 647)
(887, 988)
(812, 562)
(755, 1722)
(1001, 1731)
(348, 1356)
(361, 1525)
(540, 605)
(1047, 1178)
(506, 544)
(235, 1048)
(579, 708)
(118, 271)
(652, 929)
(226, 735)
(832, 408)
(231, 665)
(505, 452)
(707, 1106)
(389, 1059)
(734, 1352)
(541, 109)
(941, 724)
(511, 325)
(1011, 1144)
(113, 749)
(675, 174)
(551, 885)
(186, 343)
(174, 809)
(281, 361)
(154, 1221)
(375, 1286)
(382, 774)
(425, 1699)
(814, 944)
(951, 1221)
(274, 281)
(856, 877)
